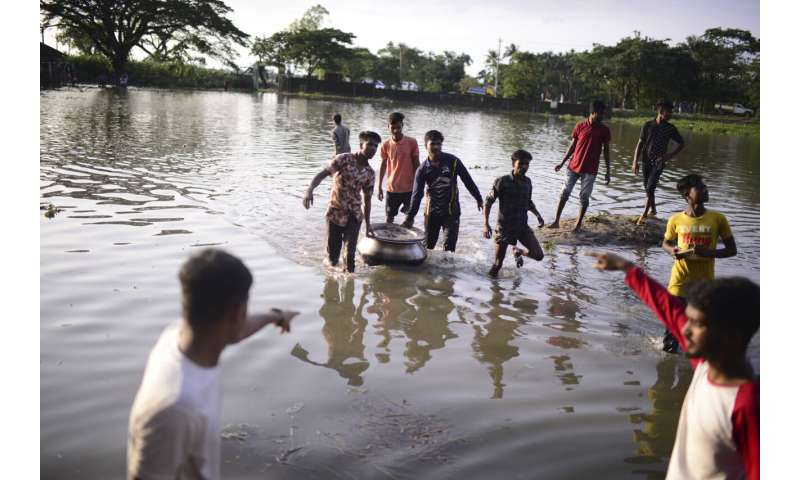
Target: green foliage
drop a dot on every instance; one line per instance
(173, 30)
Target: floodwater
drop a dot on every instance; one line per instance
(552, 371)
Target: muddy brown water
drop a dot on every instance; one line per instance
(551, 371)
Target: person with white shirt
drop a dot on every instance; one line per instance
(718, 430)
(174, 425)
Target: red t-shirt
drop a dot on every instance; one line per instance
(590, 139)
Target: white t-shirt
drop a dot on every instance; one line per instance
(174, 427)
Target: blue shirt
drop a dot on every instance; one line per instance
(442, 186)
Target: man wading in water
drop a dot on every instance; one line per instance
(653, 142)
(340, 136)
(514, 192)
(400, 159)
(589, 137)
(442, 210)
(718, 431)
(352, 175)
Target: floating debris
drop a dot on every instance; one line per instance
(51, 210)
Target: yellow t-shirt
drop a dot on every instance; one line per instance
(688, 231)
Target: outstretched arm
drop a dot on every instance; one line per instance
(254, 323)
(308, 200)
(669, 308)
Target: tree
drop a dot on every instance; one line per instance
(117, 27)
(311, 20)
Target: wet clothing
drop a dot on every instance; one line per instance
(349, 182)
(651, 173)
(449, 223)
(655, 139)
(400, 158)
(718, 430)
(442, 191)
(174, 426)
(589, 138)
(346, 235)
(397, 201)
(686, 231)
(341, 139)
(515, 199)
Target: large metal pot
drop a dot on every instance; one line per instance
(393, 245)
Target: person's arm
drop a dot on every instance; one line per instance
(669, 308)
(336, 143)
(729, 250)
(416, 197)
(677, 138)
(746, 428)
(636, 153)
(415, 156)
(254, 323)
(384, 161)
(532, 208)
(368, 209)
(308, 200)
(487, 207)
(462, 172)
(569, 153)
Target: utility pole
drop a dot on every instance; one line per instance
(400, 74)
(497, 66)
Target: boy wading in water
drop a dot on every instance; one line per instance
(653, 142)
(340, 136)
(174, 427)
(400, 159)
(589, 137)
(718, 430)
(514, 192)
(691, 238)
(442, 209)
(352, 176)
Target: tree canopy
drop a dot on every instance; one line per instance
(165, 29)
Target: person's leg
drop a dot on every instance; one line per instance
(566, 191)
(391, 206)
(405, 202)
(351, 240)
(451, 232)
(433, 223)
(647, 174)
(528, 239)
(499, 255)
(334, 242)
(587, 185)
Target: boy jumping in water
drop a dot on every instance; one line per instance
(691, 238)
(514, 192)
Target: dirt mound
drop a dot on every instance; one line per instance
(605, 229)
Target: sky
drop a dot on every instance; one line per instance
(474, 27)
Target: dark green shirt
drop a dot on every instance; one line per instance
(514, 195)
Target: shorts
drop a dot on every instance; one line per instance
(511, 235)
(650, 176)
(587, 185)
(447, 223)
(394, 202)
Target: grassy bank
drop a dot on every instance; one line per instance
(686, 122)
(691, 123)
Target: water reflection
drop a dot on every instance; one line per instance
(343, 331)
(655, 431)
(492, 341)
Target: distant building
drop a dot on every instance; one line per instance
(54, 69)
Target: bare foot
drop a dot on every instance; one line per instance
(553, 225)
(518, 256)
(641, 221)
(577, 229)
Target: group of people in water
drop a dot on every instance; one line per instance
(174, 426)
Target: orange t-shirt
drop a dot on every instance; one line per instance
(399, 157)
